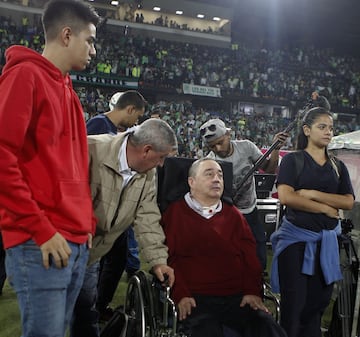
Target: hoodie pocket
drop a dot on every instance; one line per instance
(74, 203)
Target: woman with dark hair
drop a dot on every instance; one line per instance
(306, 260)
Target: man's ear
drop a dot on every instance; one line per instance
(146, 149)
(190, 181)
(130, 109)
(66, 33)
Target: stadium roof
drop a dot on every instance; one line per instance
(322, 21)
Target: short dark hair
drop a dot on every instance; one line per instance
(131, 97)
(73, 13)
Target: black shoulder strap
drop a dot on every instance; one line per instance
(299, 163)
(335, 163)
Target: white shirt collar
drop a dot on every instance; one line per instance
(126, 172)
(204, 211)
(123, 164)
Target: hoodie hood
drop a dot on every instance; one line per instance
(16, 55)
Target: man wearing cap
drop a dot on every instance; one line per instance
(242, 154)
(125, 110)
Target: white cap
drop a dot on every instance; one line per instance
(213, 129)
(113, 100)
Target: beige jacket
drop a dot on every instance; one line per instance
(116, 208)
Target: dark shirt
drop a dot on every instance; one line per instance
(100, 124)
(313, 177)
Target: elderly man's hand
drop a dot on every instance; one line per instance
(160, 270)
(185, 305)
(255, 303)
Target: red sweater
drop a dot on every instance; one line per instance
(44, 185)
(215, 256)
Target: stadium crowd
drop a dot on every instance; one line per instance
(285, 75)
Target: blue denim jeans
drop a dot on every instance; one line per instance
(46, 297)
(133, 261)
(85, 319)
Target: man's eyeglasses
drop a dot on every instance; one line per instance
(211, 128)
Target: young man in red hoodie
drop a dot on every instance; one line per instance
(47, 217)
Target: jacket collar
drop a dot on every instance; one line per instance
(111, 159)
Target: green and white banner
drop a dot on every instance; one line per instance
(200, 90)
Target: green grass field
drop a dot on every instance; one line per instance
(9, 312)
(10, 318)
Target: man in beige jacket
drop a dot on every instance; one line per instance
(123, 187)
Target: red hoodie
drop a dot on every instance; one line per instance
(44, 185)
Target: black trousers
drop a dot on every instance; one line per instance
(112, 266)
(258, 230)
(213, 313)
(303, 298)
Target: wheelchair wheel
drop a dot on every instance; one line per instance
(272, 301)
(139, 307)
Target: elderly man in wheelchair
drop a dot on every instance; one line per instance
(218, 289)
(213, 253)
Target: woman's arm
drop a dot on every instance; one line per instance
(290, 198)
(343, 201)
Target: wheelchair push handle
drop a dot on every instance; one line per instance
(161, 284)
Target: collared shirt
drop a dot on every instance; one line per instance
(204, 211)
(124, 168)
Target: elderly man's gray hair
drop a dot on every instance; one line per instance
(155, 132)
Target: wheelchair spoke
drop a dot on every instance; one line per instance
(134, 308)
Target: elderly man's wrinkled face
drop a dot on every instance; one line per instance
(208, 183)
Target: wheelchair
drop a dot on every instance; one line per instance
(149, 311)
(172, 185)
